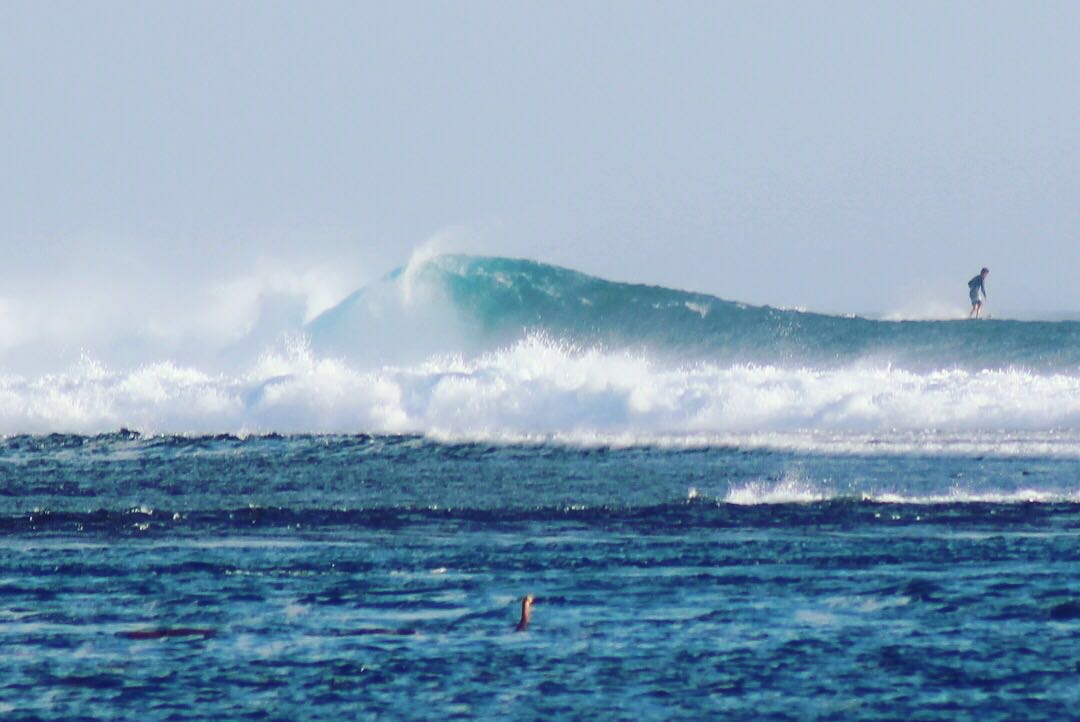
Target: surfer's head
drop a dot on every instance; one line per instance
(985, 271)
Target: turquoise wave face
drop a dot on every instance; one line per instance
(483, 302)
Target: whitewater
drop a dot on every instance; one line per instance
(472, 348)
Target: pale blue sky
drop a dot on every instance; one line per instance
(838, 156)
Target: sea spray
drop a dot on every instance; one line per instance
(544, 388)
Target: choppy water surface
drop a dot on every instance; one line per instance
(345, 577)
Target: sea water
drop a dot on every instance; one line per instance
(721, 511)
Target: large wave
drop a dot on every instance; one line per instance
(467, 303)
(466, 348)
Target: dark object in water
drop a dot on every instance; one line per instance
(1066, 610)
(526, 613)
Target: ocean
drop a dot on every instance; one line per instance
(720, 510)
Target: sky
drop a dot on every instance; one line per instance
(172, 168)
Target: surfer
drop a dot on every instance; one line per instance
(974, 286)
(526, 613)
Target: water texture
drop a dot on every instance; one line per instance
(348, 577)
(722, 511)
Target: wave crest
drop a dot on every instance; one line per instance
(471, 304)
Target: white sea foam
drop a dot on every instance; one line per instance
(796, 491)
(787, 491)
(700, 309)
(542, 391)
(963, 496)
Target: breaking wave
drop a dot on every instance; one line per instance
(472, 304)
(460, 348)
(541, 390)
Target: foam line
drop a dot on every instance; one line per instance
(540, 390)
(794, 491)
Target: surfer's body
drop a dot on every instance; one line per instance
(975, 286)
